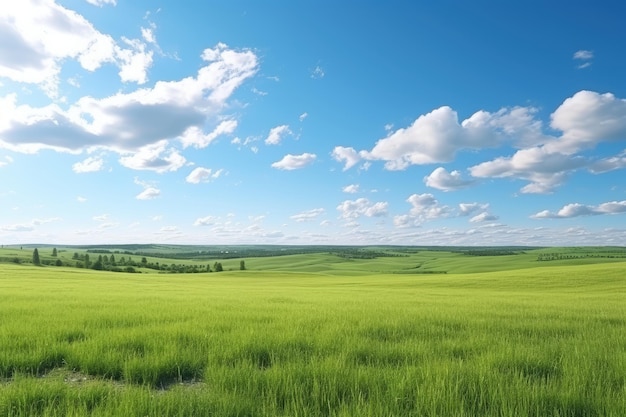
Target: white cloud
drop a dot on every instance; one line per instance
(28, 227)
(437, 136)
(469, 208)
(426, 206)
(423, 207)
(205, 221)
(101, 218)
(81, 199)
(199, 175)
(194, 136)
(7, 161)
(349, 156)
(318, 72)
(484, 217)
(544, 169)
(353, 209)
(309, 215)
(577, 210)
(149, 115)
(303, 116)
(155, 157)
(259, 92)
(91, 164)
(586, 119)
(277, 134)
(17, 228)
(148, 34)
(134, 62)
(583, 54)
(446, 181)
(149, 192)
(609, 164)
(39, 36)
(291, 162)
(101, 3)
(351, 189)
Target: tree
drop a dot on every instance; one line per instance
(58, 263)
(54, 252)
(218, 267)
(98, 266)
(75, 256)
(36, 260)
(242, 265)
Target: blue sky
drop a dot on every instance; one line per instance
(313, 122)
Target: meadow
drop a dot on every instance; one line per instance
(431, 334)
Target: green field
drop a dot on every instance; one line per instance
(428, 333)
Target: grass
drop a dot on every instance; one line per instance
(543, 341)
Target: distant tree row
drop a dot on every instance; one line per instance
(564, 256)
(106, 262)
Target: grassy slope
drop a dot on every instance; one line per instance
(536, 342)
(418, 262)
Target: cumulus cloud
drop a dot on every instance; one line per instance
(307, 216)
(351, 189)
(349, 156)
(100, 3)
(205, 221)
(467, 209)
(353, 209)
(303, 116)
(277, 134)
(149, 192)
(194, 136)
(423, 207)
(169, 110)
(155, 157)
(426, 206)
(544, 160)
(544, 169)
(437, 136)
(39, 36)
(577, 210)
(484, 217)
(291, 162)
(446, 181)
(91, 164)
(200, 174)
(608, 164)
(586, 119)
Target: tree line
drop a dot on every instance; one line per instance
(105, 262)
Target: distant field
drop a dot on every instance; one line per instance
(317, 335)
(333, 260)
